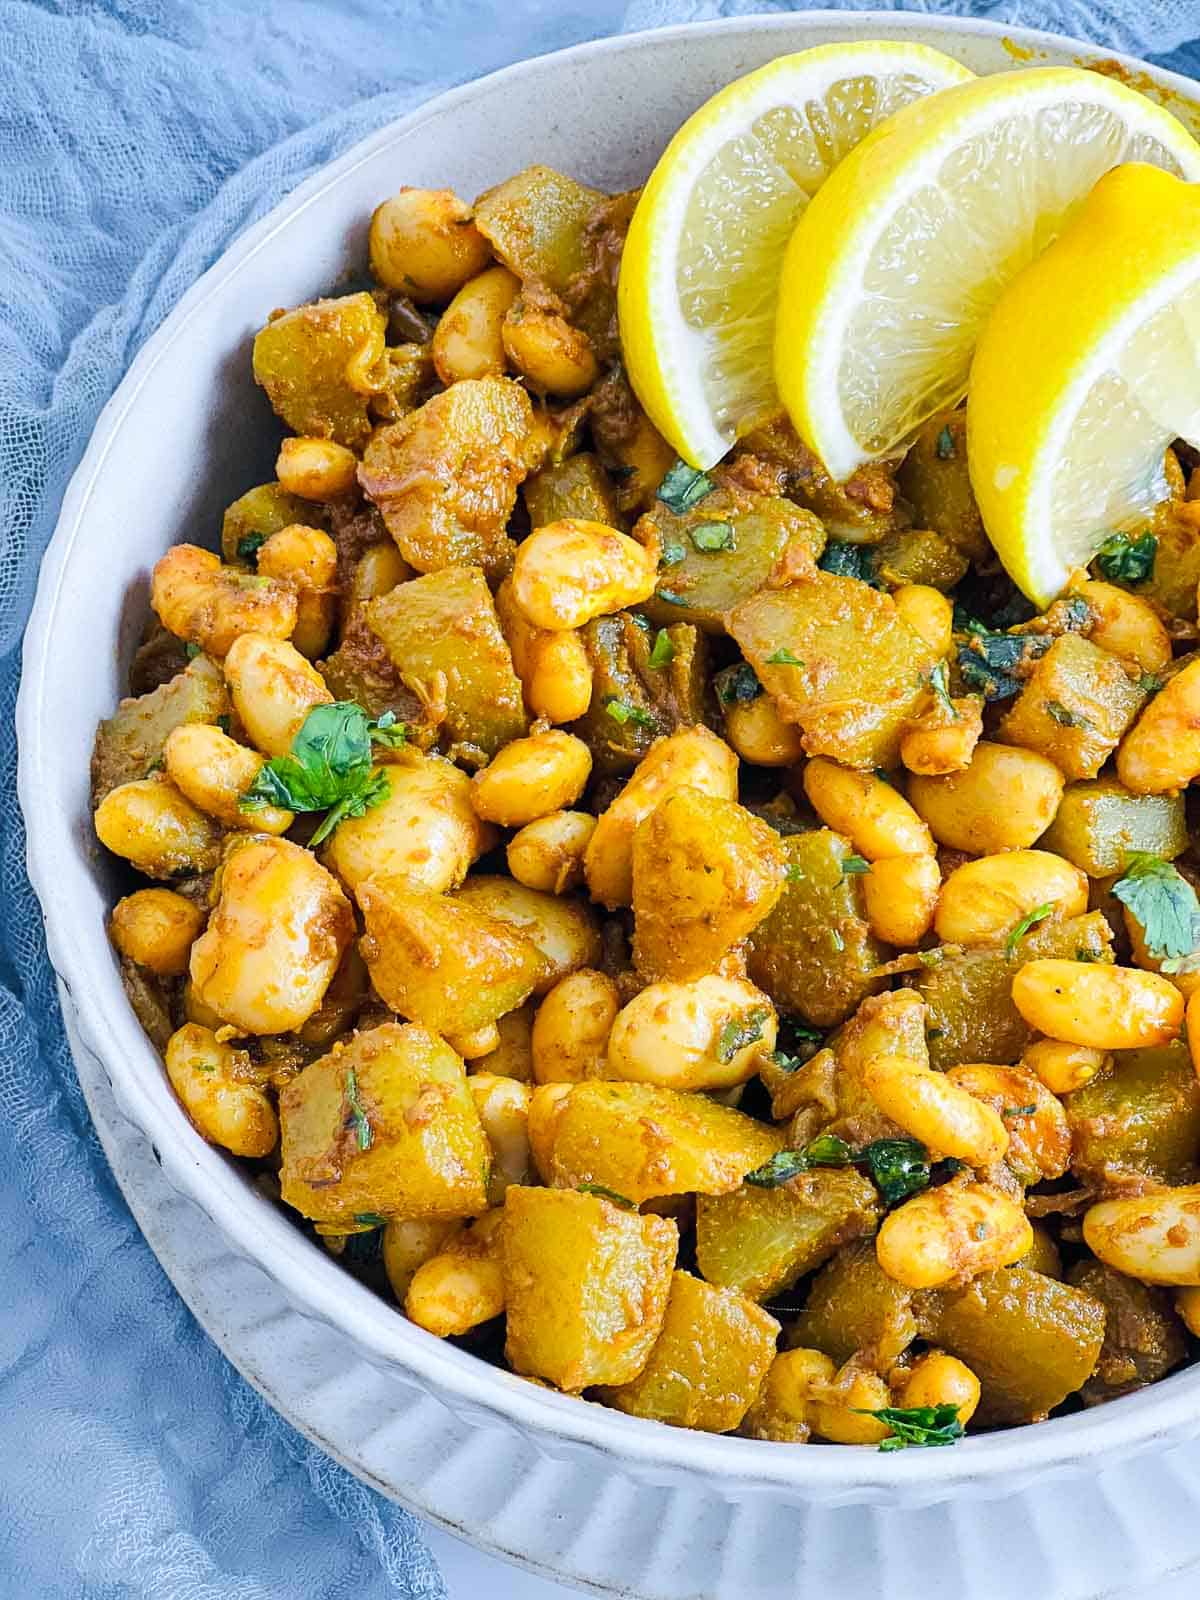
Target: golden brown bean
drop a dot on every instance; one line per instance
(467, 342)
(874, 816)
(1161, 752)
(377, 571)
(307, 559)
(760, 735)
(463, 1285)
(936, 1379)
(532, 777)
(554, 668)
(1187, 1303)
(273, 689)
(315, 469)
(503, 1107)
(938, 745)
(928, 613)
(1126, 625)
(934, 1109)
(224, 1109)
(1107, 1008)
(214, 771)
(1154, 1237)
(547, 854)
(572, 1026)
(983, 901)
(475, 1045)
(1064, 1067)
(408, 1243)
(424, 244)
(951, 1234)
(513, 1055)
(546, 1107)
(901, 893)
(552, 356)
(210, 605)
(159, 830)
(1005, 800)
(837, 1411)
(571, 571)
(156, 928)
(275, 939)
(707, 1034)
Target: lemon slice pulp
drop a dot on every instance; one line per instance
(700, 270)
(1087, 369)
(892, 270)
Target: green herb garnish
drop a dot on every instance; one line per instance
(1065, 717)
(672, 553)
(249, 545)
(945, 444)
(852, 865)
(739, 1032)
(737, 685)
(329, 768)
(940, 684)
(1125, 560)
(898, 1167)
(708, 536)
(370, 1219)
(191, 651)
(1020, 1111)
(794, 873)
(1150, 683)
(917, 1425)
(826, 1150)
(836, 940)
(621, 711)
(610, 1195)
(846, 560)
(783, 658)
(663, 651)
(989, 661)
(1038, 914)
(683, 487)
(356, 1116)
(1086, 955)
(1162, 900)
(673, 598)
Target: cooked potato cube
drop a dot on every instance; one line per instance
(852, 670)
(854, 1308)
(445, 477)
(971, 1016)
(723, 550)
(1100, 824)
(383, 1126)
(129, 744)
(759, 1241)
(316, 362)
(1076, 704)
(586, 1284)
(705, 874)
(1030, 1340)
(563, 929)
(642, 1141)
(535, 222)
(577, 488)
(632, 701)
(709, 1363)
(815, 953)
(443, 636)
(1139, 1123)
(440, 961)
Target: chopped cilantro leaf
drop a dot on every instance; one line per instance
(191, 651)
(662, 651)
(672, 597)
(740, 1031)
(851, 865)
(783, 658)
(356, 1116)
(1150, 683)
(988, 661)
(736, 685)
(846, 560)
(621, 711)
(940, 684)
(794, 873)
(945, 444)
(610, 1195)
(1065, 717)
(249, 545)
(1038, 914)
(1161, 899)
(370, 1219)
(917, 1425)
(898, 1167)
(683, 487)
(1125, 560)
(672, 553)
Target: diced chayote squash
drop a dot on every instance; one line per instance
(129, 744)
(1100, 824)
(1140, 1121)
(1076, 704)
(316, 361)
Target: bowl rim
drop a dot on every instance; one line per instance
(83, 960)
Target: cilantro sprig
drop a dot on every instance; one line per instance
(1125, 560)
(1161, 899)
(917, 1425)
(329, 768)
(898, 1167)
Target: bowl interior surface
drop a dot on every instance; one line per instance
(186, 432)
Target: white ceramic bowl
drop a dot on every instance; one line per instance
(625, 1505)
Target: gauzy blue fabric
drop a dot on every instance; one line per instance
(136, 138)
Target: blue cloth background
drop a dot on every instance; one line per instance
(136, 138)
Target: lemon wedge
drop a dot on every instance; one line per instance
(1086, 370)
(895, 265)
(701, 264)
